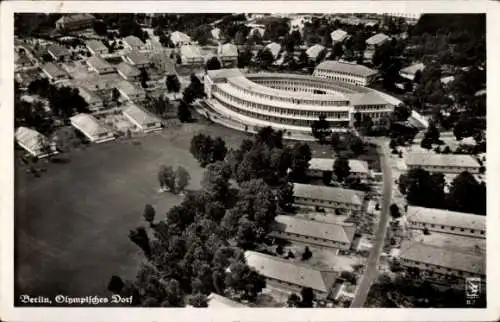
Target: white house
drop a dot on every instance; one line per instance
(179, 38)
(96, 47)
(133, 43)
(191, 55)
(141, 118)
(37, 144)
(91, 128)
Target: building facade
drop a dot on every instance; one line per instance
(191, 55)
(443, 163)
(91, 128)
(142, 119)
(345, 72)
(318, 166)
(328, 197)
(100, 65)
(75, 21)
(96, 47)
(290, 102)
(228, 54)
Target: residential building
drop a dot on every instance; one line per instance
(58, 53)
(291, 277)
(443, 163)
(410, 71)
(142, 119)
(274, 48)
(312, 232)
(338, 36)
(314, 51)
(91, 128)
(95, 103)
(37, 144)
(191, 55)
(133, 43)
(128, 72)
(130, 92)
(216, 301)
(154, 46)
(345, 72)
(328, 197)
(373, 43)
(446, 221)
(96, 47)
(163, 63)
(441, 263)
(100, 65)
(179, 38)
(228, 54)
(54, 72)
(412, 16)
(317, 166)
(75, 21)
(138, 59)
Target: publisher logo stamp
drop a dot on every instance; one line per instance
(472, 289)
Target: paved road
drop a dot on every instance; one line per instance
(371, 268)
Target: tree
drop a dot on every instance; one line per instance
(467, 194)
(285, 197)
(290, 254)
(307, 296)
(245, 280)
(327, 177)
(307, 254)
(395, 211)
(202, 148)
(216, 181)
(341, 168)
(401, 113)
(321, 128)
(141, 239)
(244, 57)
(183, 112)
(198, 300)
(423, 189)
(301, 155)
(265, 58)
(279, 250)
(182, 178)
(149, 214)
(144, 77)
(426, 143)
(337, 50)
(432, 133)
(219, 150)
(173, 84)
(293, 300)
(115, 284)
(213, 63)
(115, 94)
(166, 177)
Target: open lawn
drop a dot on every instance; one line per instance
(72, 223)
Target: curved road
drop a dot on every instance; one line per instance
(371, 268)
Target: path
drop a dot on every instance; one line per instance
(371, 268)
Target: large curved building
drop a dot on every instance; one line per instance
(291, 102)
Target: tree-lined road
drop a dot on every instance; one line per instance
(372, 264)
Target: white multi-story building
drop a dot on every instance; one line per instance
(95, 103)
(345, 72)
(446, 221)
(315, 233)
(290, 102)
(443, 163)
(410, 71)
(228, 54)
(191, 55)
(328, 197)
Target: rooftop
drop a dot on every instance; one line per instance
(140, 115)
(228, 49)
(53, 70)
(324, 164)
(445, 160)
(311, 228)
(219, 301)
(413, 68)
(138, 58)
(128, 70)
(314, 50)
(88, 124)
(377, 39)
(422, 252)
(370, 98)
(275, 48)
(76, 17)
(179, 37)
(128, 88)
(328, 193)
(446, 217)
(99, 63)
(338, 35)
(30, 138)
(294, 273)
(133, 41)
(355, 69)
(96, 45)
(58, 51)
(191, 51)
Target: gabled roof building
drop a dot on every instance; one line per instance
(91, 128)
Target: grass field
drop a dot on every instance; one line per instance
(71, 223)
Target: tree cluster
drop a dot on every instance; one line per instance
(207, 150)
(174, 181)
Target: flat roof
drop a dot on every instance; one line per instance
(446, 217)
(326, 164)
(99, 63)
(334, 194)
(96, 45)
(370, 98)
(191, 51)
(338, 35)
(219, 301)
(53, 70)
(228, 49)
(178, 36)
(294, 273)
(128, 70)
(422, 252)
(89, 125)
(311, 228)
(129, 88)
(133, 41)
(140, 115)
(138, 58)
(377, 39)
(355, 69)
(443, 160)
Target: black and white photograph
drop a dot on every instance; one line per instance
(249, 159)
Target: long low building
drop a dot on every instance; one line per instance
(440, 262)
(91, 128)
(220, 302)
(346, 72)
(191, 55)
(291, 277)
(328, 197)
(445, 221)
(291, 102)
(141, 118)
(317, 166)
(313, 232)
(443, 163)
(37, 144)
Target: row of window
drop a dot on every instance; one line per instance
(287, 99)
(283, 111)
(304, 83)
(314, 238)
(443, 167)
(433, 267)
(482, 232)
(276, 119)
(333, 203)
